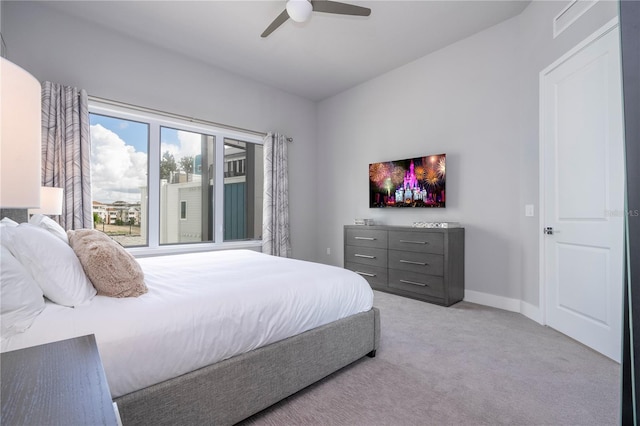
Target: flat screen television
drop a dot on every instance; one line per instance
(415, 182)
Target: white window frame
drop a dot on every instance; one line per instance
(156, 120)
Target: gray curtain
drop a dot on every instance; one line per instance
(66, 151)
(275, 217)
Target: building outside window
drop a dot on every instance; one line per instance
(243, 177)
(160, 181)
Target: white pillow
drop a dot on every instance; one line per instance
(45, 222)
(51, 263)
(7, 222)
(6, 225)
(21, 300)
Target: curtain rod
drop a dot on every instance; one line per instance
(178, 116)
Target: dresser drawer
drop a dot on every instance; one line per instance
(413, 282)
(375, 275)
(366, 256)
(426, 242)
(424, 263)
(366, 238)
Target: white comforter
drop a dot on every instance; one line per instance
(201, 308)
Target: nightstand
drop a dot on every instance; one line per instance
(56, 383)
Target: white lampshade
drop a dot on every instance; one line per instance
(50, 201)
(20, 137)
(299, 10)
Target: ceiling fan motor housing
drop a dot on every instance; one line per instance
(299, 10)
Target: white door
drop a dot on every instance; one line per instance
(582, 179)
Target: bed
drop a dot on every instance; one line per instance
(216, 344)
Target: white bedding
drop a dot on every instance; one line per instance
(201, 308)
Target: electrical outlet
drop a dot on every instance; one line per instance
(328, 250)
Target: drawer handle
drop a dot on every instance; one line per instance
(366, 256)
(411, 262)
(414, 283)
(366, 274)
(414, 242)
(364, 238)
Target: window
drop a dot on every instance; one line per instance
(160, 181)
(182, 177)
(243, 176)
(183, 210)
(118, 172)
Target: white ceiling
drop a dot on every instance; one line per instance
(316, 59)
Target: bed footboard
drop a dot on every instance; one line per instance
(234, 389)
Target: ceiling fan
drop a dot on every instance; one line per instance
(300, 10)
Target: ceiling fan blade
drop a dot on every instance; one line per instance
(281, 19)
(339, 8)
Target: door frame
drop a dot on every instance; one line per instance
(602, 31)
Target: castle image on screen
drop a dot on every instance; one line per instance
(415, 182)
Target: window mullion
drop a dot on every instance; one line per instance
(154, 184)
(218, 189)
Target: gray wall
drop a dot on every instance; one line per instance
(65, 50)
(460, 101)
(476, 101)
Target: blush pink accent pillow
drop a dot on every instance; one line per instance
(112, 270)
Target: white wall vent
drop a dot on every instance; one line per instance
(570, 14)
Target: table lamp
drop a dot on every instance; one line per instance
(20, 141)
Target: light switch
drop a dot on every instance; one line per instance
(528, 210)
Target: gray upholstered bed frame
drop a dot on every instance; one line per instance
(232, 390)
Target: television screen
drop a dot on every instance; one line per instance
(416, 182)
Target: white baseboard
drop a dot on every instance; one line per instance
(530, 311)
(508, 304)
(500, 302)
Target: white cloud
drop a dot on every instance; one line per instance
(189, 145)
(117, 169)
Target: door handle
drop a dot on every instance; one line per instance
(548, 230)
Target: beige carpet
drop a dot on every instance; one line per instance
(463, 365)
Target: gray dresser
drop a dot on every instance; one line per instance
(421, 263)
